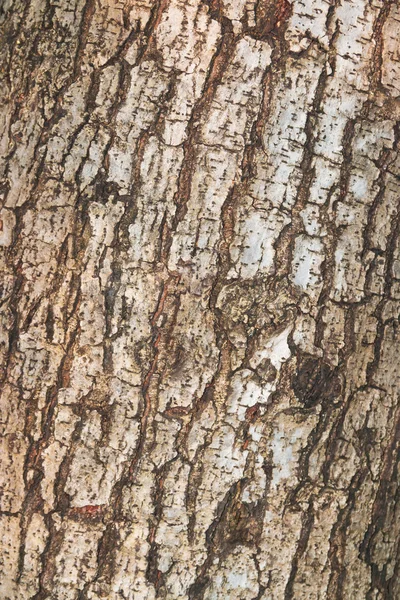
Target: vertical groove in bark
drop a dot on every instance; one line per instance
(199, 242)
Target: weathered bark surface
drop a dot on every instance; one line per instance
(200, 299)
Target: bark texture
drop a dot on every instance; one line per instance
(200, 299)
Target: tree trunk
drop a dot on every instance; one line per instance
(200, 300)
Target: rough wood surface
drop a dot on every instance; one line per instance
(200, 261)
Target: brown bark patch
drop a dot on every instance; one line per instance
(315, 382)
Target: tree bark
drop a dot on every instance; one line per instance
(200, 299)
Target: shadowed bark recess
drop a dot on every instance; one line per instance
(200, 292)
